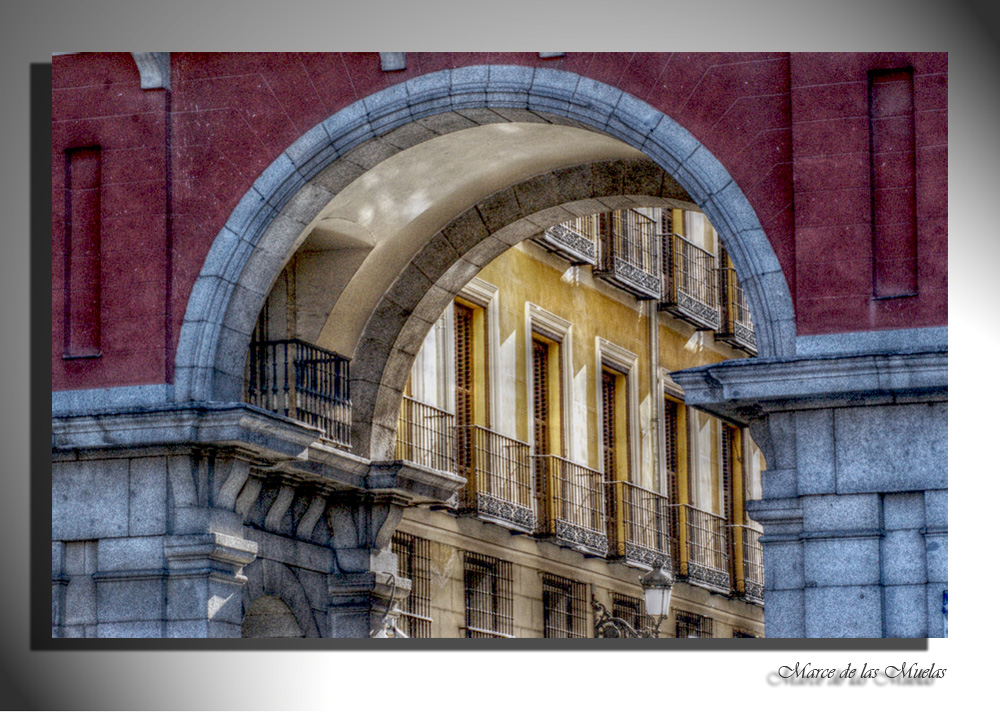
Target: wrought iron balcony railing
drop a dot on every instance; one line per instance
(575, 240)
(749, 578)
(706, 548)
(301, 381)
(498, 473)
(639, 524)
(630, 253)
(425, 435)
(737, 326)
(571, 504)
(690, 276)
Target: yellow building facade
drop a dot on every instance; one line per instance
(546, 385)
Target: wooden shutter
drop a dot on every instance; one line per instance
(610, 441)
(540, 373)
(464, 386)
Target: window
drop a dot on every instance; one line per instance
(743, 633)
(691, 625)
(489, 602)
(564, 607)
(413, 555)
(630, 252)
(631, 610)
(675, 466)
(545, 391)
(614, 437)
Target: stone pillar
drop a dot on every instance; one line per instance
(364, 584)
(854, 505)
(204, 582)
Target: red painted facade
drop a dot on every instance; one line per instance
(793, 131)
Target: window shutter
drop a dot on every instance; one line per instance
(464, 381)
(608, 404)
(540, 360)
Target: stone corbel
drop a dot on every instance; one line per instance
(154, 69)
(219, 557)
(362, 527)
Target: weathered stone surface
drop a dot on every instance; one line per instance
(877, 449)
(841, 512)
(843, 612)
(841, 561)
(904, 558)
(905, 611)
(814, 451)
(90, 499)
(903, 510)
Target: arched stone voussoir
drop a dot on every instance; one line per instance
(274, 214)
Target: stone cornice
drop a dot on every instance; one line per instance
(274, 444)
(744, 389)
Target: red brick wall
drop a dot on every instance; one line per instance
(792, 131)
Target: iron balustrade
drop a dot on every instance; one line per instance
(737, 326)
(707, 545)
(498, 473)
(630, 253)
(750, 579)
(304, 382)
(425, 435)
(575, 239)
(639, 524)
(571, 503)
(691, 282)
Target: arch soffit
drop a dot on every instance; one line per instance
(274, 579)
(270, 221)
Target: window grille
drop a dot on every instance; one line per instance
(691, 625)
(630, 253)
(564, 607)
(425, 435)
(489, 600)
(736, 328)
(575, 240)
(690, 274)
(301, 381)
(631, 610)
(413, 554)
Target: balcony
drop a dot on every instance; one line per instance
(690, 283)
(750, 577)
(301, 381)
(571, 504)
(705, 553)
(575, 240)
(639, 524)
(425, 435)
(736, 328)
(498, 473)
(630, 253)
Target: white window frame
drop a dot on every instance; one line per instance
(541, 321)
(623, 360)
(485, 295)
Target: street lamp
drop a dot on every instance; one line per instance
(388, 628)
(656, 587)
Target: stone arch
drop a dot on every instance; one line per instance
(274, 583)
(270, 617)
(270, 221)
(406, 312)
